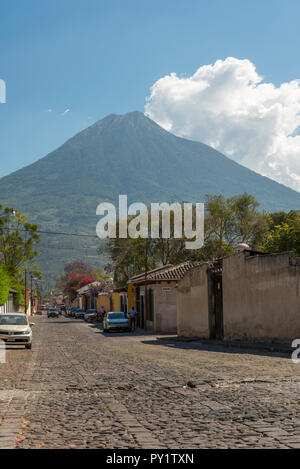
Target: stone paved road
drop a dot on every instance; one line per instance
(79, 388)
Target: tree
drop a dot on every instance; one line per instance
(232, 221)
(18, 240)
(4, 285)
(284, 233)
(227, 223)
(78, 266)
(129, 256)
(76, 274)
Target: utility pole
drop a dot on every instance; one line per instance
(25, 290)
(146, 291)
(31, 295)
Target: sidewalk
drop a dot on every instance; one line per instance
(258, 346)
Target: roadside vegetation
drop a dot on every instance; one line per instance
(76, 275)
(18, 241)
(228, 222)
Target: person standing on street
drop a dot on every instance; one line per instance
(132, 315)
(102, 313)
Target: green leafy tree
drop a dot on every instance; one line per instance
(231, 221)
(284, 233)
(227, 223)
(18, 240)
(4, 285)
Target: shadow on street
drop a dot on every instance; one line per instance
(197, 345)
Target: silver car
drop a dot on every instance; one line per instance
(15, 329)
(114, 321)
(53, 313)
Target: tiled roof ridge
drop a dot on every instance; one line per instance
(169, 272)
(157, 269)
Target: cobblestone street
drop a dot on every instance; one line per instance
(79, 388)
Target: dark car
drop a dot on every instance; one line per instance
(79, 314)
(73, 311)
(91, 315)
(53, 313)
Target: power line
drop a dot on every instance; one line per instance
(64, 234)
(67, 248)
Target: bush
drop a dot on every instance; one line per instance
(4, 285)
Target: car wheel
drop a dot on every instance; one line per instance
(28, 346)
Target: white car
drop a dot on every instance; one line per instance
(114, 321)
(15, 329)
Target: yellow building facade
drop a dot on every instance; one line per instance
(131, 295)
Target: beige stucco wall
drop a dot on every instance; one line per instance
(261, 298)
(165, 307)
(192, 303)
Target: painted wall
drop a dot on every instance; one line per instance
(115, 301)
(261, 298)
(192, 303)
(103, 300)
(165, 307)
(131, 292)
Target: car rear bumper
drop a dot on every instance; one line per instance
(111, 326)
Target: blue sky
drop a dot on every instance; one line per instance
(96, 57)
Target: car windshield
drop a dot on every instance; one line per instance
(13, 320)
(91, 311)
(115, 316)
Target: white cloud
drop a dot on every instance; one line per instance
(2, 91)
(228, 106)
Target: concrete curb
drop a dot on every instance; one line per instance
(254, 346)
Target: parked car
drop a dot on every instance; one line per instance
(15, 329)
(91, 315)
(72, 311)
(116, 321)
(79, 314)
(53, 313)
